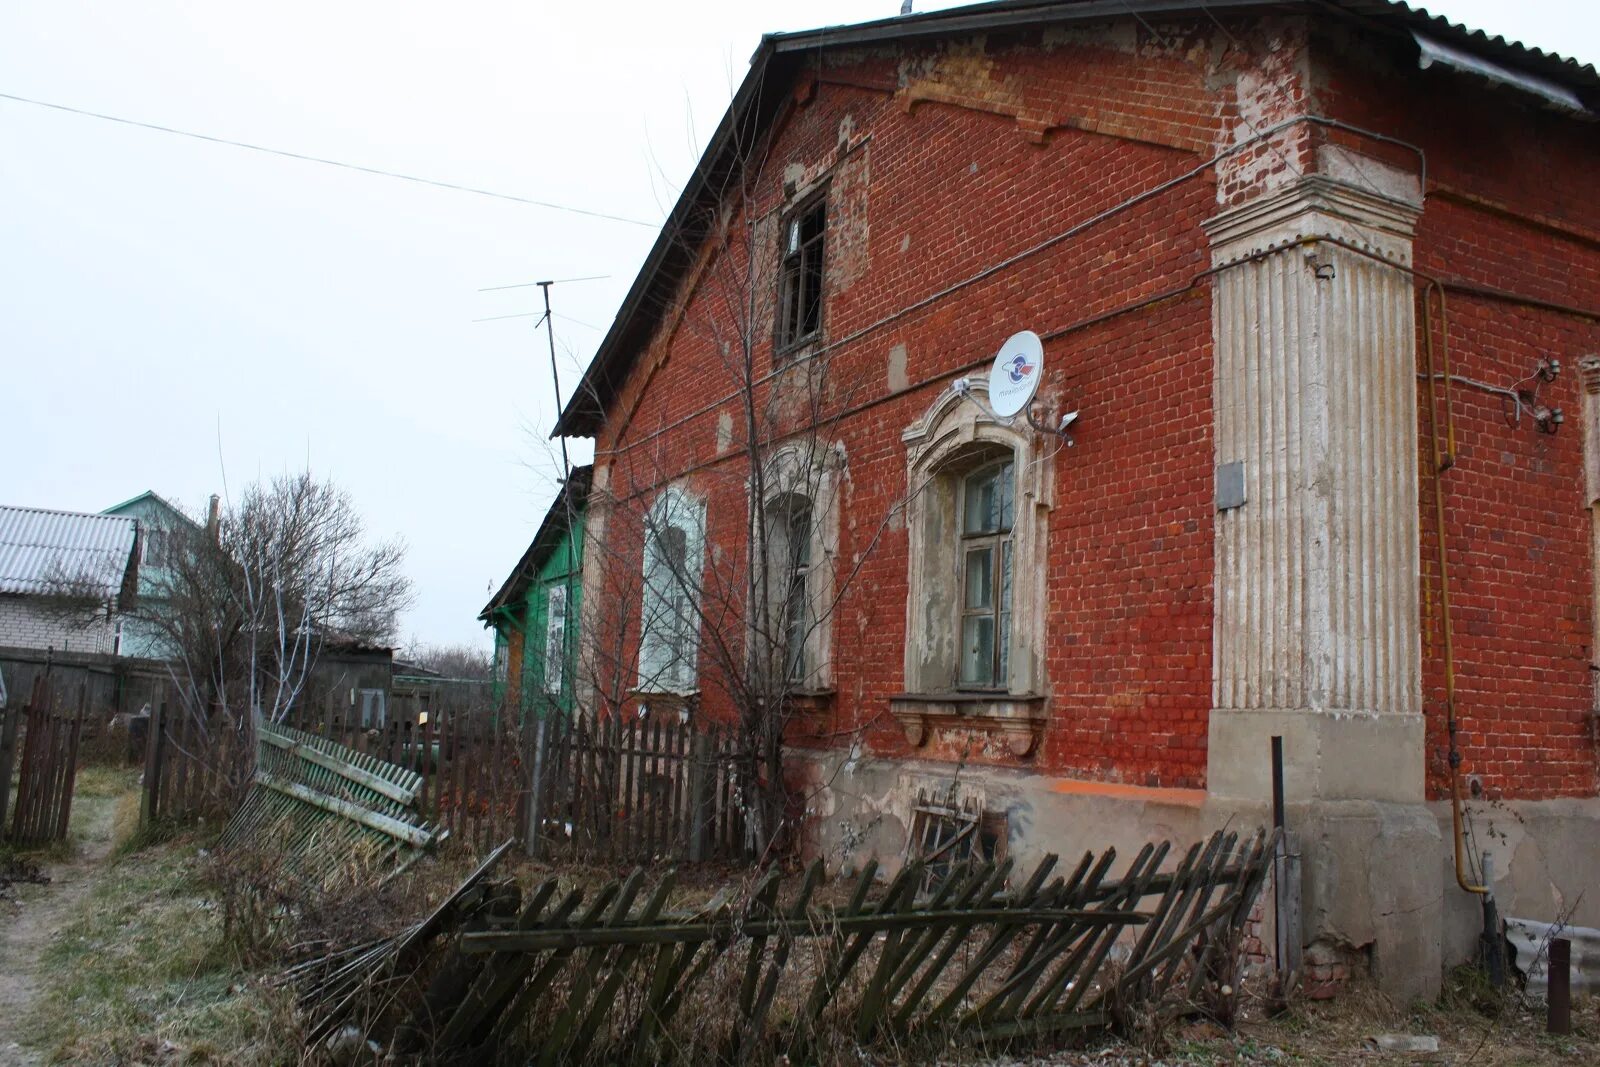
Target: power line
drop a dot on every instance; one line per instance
(520, 315)
(553, 281)
(329, 162)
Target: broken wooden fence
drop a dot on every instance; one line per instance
(328, 811)
(608, 790)
(577, 977)
(46, 740)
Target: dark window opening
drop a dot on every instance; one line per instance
(800, 276)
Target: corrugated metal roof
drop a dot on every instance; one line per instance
(38, 545)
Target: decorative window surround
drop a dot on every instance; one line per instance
(1020, 720)
(811, 470)
(954, 435)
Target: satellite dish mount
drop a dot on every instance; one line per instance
(1014, 379)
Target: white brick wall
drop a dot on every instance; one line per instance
(24, 625)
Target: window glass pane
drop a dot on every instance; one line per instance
(799, 536)
(977, 650)
(1006, 489)
(1005, 576)
(980, 577)
(980, 502)
(795, 630)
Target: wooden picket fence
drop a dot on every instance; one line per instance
(46, 739)
(194, 765)
(570, 976)
(585, 788)
(329, 813)
(637, 791)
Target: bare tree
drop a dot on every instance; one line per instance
(239, 607)
(452, 661)
(673, 615)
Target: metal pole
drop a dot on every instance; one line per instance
(555, 374)
(1559, 1017)
(1277, 782)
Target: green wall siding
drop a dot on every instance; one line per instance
(561, 569)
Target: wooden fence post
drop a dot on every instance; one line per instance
(150, 810)
(700, 795)
(10, 718)
(536, 776)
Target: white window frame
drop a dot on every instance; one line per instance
(669, 628)
(555, 637)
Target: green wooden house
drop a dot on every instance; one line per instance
(164, 530)
(535, 614)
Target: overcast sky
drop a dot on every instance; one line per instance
(174, 312)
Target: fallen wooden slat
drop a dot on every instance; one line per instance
(374, 782)
(393, 827)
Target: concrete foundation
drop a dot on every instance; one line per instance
(1378, 885)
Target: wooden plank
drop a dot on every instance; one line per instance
(810, 925)
(601, 1005)
(756, 1022)
(401, 831)
(74, 732)
(150, 802)
(10, 720)
(378, 784)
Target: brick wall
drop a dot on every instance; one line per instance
(945, 160)
(1509, 206)
(23, 624)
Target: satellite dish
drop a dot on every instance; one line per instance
(1014, 378)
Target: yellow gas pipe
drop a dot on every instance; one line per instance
(1441, 463)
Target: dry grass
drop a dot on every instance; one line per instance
(142, 972)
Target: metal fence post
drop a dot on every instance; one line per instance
(1558, 1018)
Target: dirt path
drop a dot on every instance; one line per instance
(39, 911)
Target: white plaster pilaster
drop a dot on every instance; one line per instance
(1316, 630)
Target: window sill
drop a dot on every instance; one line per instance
(1017, 718)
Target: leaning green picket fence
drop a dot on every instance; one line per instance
(327, 809)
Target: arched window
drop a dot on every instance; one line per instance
(792, 635)
(789, 581)
(669, 631)
(977, 522)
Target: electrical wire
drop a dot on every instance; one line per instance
(987, 272)
(553, 281)
(306, 158)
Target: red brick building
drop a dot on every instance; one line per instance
(1242, 232)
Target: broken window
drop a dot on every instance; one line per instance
(947, 831)
(800, 274)
(987, 506)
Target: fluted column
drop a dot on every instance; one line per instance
(1317, 560)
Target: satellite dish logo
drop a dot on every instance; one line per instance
(1019, 368)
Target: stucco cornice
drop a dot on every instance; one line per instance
(1314, 206)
